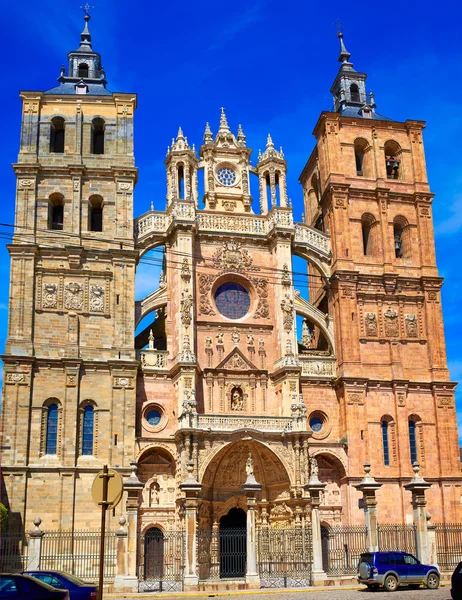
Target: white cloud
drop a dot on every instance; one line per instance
(453, 221)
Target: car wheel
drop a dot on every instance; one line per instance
(390, 583)
(433, 581)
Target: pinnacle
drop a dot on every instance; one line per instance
(269, 141)
(208, 136)
(223, 121)
(180, 135)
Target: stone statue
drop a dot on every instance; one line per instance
(237, 401)
(250, 339)
(219, 338)
(249, 465)
(208, 342)
(314, 469)
(235, 337)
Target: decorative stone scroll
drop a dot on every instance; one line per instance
(205, 284)
(231, 258)
(370, 320)
(285, 277)
(391, 323)
(50, 295)
(411, 325)
(261, 286)
(96, 298)
(73, 296)
(15, 378)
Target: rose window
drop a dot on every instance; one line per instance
(226, 176)
(153, 417)
(232, 300)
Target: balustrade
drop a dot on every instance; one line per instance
(153, 359)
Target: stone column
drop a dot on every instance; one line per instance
(418, 486)
(122, 554)
(315, 487)
(128, 582)
(191, 488)
(431, 532)
(251, 487)
(368, 486)
(35, 546)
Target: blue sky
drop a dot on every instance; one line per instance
(271, 64)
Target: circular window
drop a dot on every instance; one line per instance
(226, 176)
(316, 424)
(153, 417)
(232, 300)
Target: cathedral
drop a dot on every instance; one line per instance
(222, 394)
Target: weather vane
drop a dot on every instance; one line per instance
(339, 26)
(86, 8)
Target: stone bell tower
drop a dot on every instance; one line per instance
(70, 367)
(366, 184)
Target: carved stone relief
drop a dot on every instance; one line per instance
(371, 324)
(205, 284)
(231, 258)
(411, 325)
(287, 306)
(96, 298)
(187, 301)
(261, 286)
(50, 295)
(73, 296)
(391, 323)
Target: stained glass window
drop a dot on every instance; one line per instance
(412, 441)
(87, 430)
(52, 429)
(386, 447)
(153, 417)
(232, 300)
(316, 424)
(226, 177)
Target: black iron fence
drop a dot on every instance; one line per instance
(448, 545)
(161, 560)
(14, 550)
(284, 557)
(397, 537)
(341, 548)
(77, 552)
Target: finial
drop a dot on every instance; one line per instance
(179, 135)
(86, 8)
(152, 205)
(416, 469)
(269, 141)
(223, 120)
(63, 71)
(281, 152)
(372, 99)
(240, 135)
(208, 136)
(344, 54)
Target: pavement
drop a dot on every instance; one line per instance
(317, 593)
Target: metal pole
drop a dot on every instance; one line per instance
(104, 505)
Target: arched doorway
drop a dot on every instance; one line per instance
(233, 545)
(153, 553)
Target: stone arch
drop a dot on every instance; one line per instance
(317, 260)
(156, 525)
(320, 319)
(334, 498)
(155, 300)
(150, 244)
(333, 455)
(224, 473)
(157, 464)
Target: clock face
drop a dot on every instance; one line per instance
(227, 176)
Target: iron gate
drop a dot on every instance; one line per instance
(397, 537)
(284, 557)
(341, 548)
(222, 554)
(161, 561)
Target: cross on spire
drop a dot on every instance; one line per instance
(86, 8)
(339, 25)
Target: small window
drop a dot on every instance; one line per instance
(392, 160)
(412, 441)
(181, 182)
(52, 429)
(369, 234)
(354, 93)
(95, 216)
(57, 135)
(277, 189)
(87, 430)
(386, 444)
(56, 212)
(359, 158)
(83, 70)
(97, 141)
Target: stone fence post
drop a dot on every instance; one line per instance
(191, 487)
(122, 555)
(315, 487)
(368, 486)
(35, 546)
(251, 487)
(418, 486)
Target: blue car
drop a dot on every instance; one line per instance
(77, 589)
(392, 569)
(23, 587)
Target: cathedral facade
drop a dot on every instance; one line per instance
(234, 360)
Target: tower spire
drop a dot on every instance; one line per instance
(344, 54)
(85, 36)
(223, 121)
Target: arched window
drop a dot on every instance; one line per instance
(97, 136)
(412, 440)
(369, 234)
(88, 423)
(269, 196)
(401, 238)
(95, 214)
(57, 135)
(361, 148)
(56, 212)
(393, 160)
(83, 70)
(385, 443)
(277, 189)
(51, 441)
(354, 93)
(181, 182)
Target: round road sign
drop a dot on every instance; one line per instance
(115, 488)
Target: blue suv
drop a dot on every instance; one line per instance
(391, 569)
